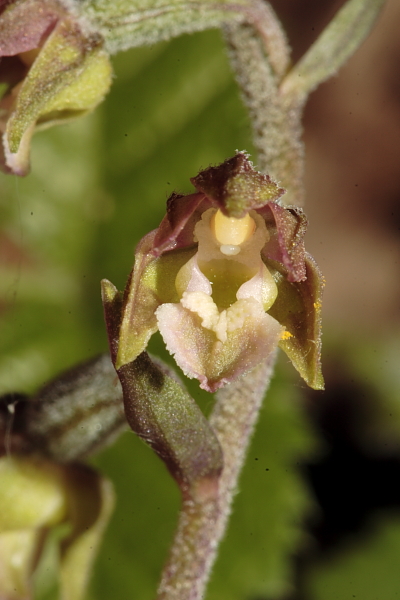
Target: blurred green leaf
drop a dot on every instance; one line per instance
(47, 226)
(365, 568)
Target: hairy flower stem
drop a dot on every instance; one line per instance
(276, 120)
(205, 510)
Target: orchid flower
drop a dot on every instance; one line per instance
(225, 279)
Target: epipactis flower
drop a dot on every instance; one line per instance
(225, 279)
(50, 71)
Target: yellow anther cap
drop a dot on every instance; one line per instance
(230, 231)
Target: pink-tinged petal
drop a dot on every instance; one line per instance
(201, 355)
(177, 227)
(287, 227)
(261, 287)
(191, 279)
(24, 24)
(236, 187)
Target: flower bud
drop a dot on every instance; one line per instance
(50, 71)
(37, 495)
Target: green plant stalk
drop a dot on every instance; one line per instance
(339, 40)
(276, 125)
(206, 509)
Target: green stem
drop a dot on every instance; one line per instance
(276, 122)
(206, 509)
(339, 40)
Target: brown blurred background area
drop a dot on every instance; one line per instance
(352, 137)
(352, 140)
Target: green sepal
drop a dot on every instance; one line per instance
(298, 308)
(151, 283)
